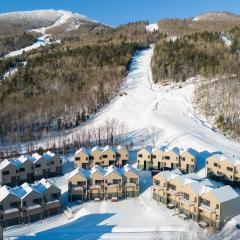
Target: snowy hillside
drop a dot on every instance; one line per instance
(163, 115)
(39, 18)
(217, 16)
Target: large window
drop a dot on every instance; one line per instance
(104, 156)
(98, 182)
(172, 187)
(21, 169)
(185, 196)
(167, 158)
(215, 165)
(77, 158)
(140, 155)
(116, 181)
(133, 180)
(6, 173)
(37, 200)
(14, 204)
(229, 169)
(37, 165)
(205, 202)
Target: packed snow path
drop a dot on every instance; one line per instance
(166, 109)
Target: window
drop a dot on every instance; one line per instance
(118, 155)
(116, 181)
(14, 204)
(21, 169)
(186, 196)
(135, 180)
(139, 155)
(167, 157)
(182, 158)
(149, 156)
(217, 206)
(104, 156)
(80, 183)
(231, 177)
(61, 161)
(207, 162)
(157, 182)
(154, 156)
(113, 156)
(37, 200)
(37, 165)
(98, 182)
(52, 162)
(91, 158)
(192, 159)
(219, 173)
(215, 165)
(205, 202)
(172, 187)
(229, 169)
(54, 195)
(6, 173)
(77, 158)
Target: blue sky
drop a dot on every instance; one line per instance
(115, 12)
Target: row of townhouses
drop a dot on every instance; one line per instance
(196, 198)
(224, 167)
(27, 203)
(164, 158)
(88, 158)
(100, 183)
(29, 169)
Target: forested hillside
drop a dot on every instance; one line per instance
(193, 51)
(62, 85)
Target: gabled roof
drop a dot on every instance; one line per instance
(83, 150)
(199, 188)
(127, 168)
(35, 157)
(97, 169)
(224, 194)
(23, 190)
(231, 158)
(112, 169)
(113, 149)
(5, 163)
(81, 171)
(168, 175)
(5, 191)
(43, 185)
(19, 161)
(96, 148)
(48, 155)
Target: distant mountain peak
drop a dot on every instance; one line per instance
(217, 16)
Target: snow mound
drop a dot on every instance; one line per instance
(152, 27)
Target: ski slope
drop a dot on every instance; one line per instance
(167, 109)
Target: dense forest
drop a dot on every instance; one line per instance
(14, 42)
(62, 85)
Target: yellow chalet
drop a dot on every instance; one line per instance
(158, 162)
(121, 156)
(82, 158)
(78, 184)
(95, 156)
(218, 206)
(113, 183)
(144, 158)
(108, 156)
(188, 160)
(130, 181)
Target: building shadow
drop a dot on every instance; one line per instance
(86, 227)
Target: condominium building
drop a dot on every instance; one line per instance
(109, 155)
(164, 158)
(224, 167)
(196, 198)
(103, 183)
(29, 169)
(27, 203)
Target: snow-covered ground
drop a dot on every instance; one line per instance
(152, 27)
(133, 218)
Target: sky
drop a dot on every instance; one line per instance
(115, 12)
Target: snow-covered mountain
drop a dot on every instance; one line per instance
(218, 16)
(57, 20)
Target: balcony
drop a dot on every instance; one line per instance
(55, 203)
(207, 209)
(187, 202)
(34, 209)
(11, 213)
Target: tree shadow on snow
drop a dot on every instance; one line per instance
(86, 227)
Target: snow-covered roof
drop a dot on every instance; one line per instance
(81, 171)
(168, 175)
(97, 169)
(113, 149)
(199, 188)
(119, 147)
(84, 150)
(231, 158)
(128, 168)
(4, 163)
(48, 155)
(112, 169)
(34, 157)
(23, 190)
(224, 194)
(42, 185)
(96, 148)
(4, 192)
(19, 161)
